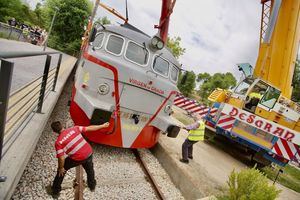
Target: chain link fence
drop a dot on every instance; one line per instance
(12, 33)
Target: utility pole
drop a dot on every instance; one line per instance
(46, 42)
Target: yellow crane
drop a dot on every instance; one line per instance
(263, 117)
(279, 45)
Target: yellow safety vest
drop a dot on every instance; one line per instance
(197, 134)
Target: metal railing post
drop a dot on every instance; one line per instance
(20, 35)
(57, 71)
(44, 83)
(6, 71)
(9, 33)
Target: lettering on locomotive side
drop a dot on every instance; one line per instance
(260, 123)
(146, 86)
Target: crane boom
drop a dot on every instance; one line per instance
(278, 49)
(166, 11)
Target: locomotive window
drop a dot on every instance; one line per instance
(115, 44)
(174, 73)
(137, 53)
(161, 66)
(97, 44)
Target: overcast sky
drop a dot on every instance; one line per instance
(217, 34)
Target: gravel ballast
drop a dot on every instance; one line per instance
(118, 174)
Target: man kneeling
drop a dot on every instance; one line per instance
(72, 150)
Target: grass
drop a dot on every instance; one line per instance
(2, 35)
(289, 178)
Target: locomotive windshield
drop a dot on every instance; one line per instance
(115, 44)
(136, 53)
(161, 66)
(174, 73)
(97, 44)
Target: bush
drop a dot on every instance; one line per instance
(249, 184)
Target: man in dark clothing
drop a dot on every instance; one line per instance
(196, 133)
(12, 22)
(72, 150)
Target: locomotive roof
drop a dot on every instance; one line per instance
(140, 37)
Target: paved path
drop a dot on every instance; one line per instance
(28, 68)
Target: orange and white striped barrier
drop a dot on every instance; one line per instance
(287, 150)
(192, 106)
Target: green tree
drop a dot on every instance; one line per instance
(174, 45)
(104, 20)
(209, 83)
(296, 83)
(10, 8)
(40, 18)
(68, 27)
(203, 77)
(21, 12)
(187, 83)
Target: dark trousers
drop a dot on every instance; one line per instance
(187, 149)
(87, 164)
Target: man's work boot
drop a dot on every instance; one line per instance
(191, 157)
(50, 191)
(92, 186)
(184, 161)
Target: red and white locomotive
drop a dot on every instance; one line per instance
(129, 79)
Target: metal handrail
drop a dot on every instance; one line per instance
(24, 104)
(31, 101)
(16, 54)
(21, 98)
(28, 84)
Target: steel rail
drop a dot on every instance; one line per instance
(152, 181)
(78, 186)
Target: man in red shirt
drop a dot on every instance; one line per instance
(72, 150)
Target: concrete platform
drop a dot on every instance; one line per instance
(207, 173)
(15, 160)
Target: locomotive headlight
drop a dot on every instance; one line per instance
(168, 109)
(160, 45)
(154, 41)
(157, 43)
(103, 89)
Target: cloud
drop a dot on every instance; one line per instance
(217, 34)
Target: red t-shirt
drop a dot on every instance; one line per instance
(71, 143)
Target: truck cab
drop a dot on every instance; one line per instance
(260, 98)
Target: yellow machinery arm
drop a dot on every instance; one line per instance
(279, 43)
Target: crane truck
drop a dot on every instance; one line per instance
(258, 114)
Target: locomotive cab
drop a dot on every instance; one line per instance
(130, 80)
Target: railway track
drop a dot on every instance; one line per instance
(150, 177)
(118, 172)
(79, 182)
